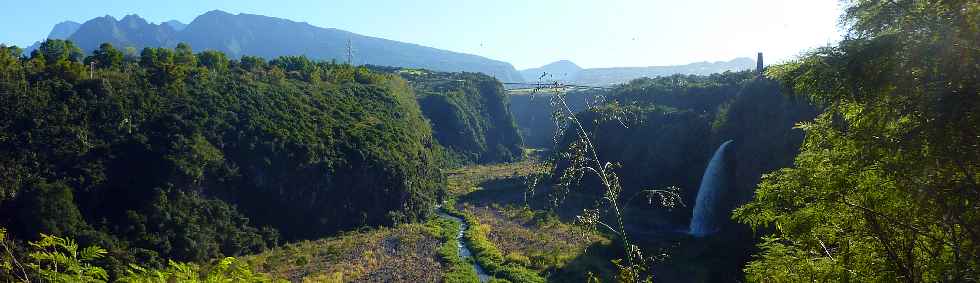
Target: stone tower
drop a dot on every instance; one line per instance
(758, 64)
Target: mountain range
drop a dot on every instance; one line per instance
(269, 37)
(566, 71)
(63, 30)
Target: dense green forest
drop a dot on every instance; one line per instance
(869, 151)
(661, 132)
(885, 185)
(470, 114)
(856, 161)
(176, 155)
(533, 113)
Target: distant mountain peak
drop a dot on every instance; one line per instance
(607, 76)
(133, 18)
(563, 70)
(564, 64)
(63, 30)
(270, 37)
(216, 13)
(175, 24)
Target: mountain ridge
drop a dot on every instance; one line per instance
(269, 37)
(64, 29)
(559, 70)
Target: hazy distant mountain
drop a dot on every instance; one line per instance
(562, 70)
(255, 35)
(606, 76)
(131, 31)
(176, 25)
(63, 30)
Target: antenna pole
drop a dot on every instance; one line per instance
(350, 53)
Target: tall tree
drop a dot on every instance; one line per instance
(56, 50)
(885, 187)
(185, 56)
(106, 56)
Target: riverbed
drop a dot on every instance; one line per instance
(464, 251)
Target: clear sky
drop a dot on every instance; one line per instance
(526, 33)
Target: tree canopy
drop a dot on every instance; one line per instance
(885, 185)
(176, 155)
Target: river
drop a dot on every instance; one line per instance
(464, 251)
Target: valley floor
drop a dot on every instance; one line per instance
(514, 240)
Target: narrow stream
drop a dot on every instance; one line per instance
(464, 251)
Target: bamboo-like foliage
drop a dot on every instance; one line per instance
(60, 260)
(580, 159)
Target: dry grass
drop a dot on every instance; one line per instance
(406, 253)
(464, 180)
(541, 242)
(410, 252)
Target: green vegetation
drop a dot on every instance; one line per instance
(539, 241)
(56, 259)
(489, 257)
(403, 253)
(470, 114)
(190, 157)
(459, 270)
(515, 243)
(625, 167)
(468, 179)
(884, 188)
(533, 112)
(171, 166)
(660, 132)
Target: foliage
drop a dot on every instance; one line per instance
(10, 267)
(60, 260)
(172, 155)
(52, 210)
(884, 188)
(676, 117)
(578, 158)
(539, 241)
(409, 252)
(106, 57)
(58, 51)
(470, 114)
(459, 270)
(660, 133)
(227, 269)
(56, 259)
(464, 180)
(689, 92)
(487, 254)
(532, 113)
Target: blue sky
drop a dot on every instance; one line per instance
(591, 33)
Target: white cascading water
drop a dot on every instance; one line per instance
(709, 193)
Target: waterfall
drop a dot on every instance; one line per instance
(717, 178)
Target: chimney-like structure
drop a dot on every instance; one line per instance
(758, 64)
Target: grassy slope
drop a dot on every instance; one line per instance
(405, 253)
